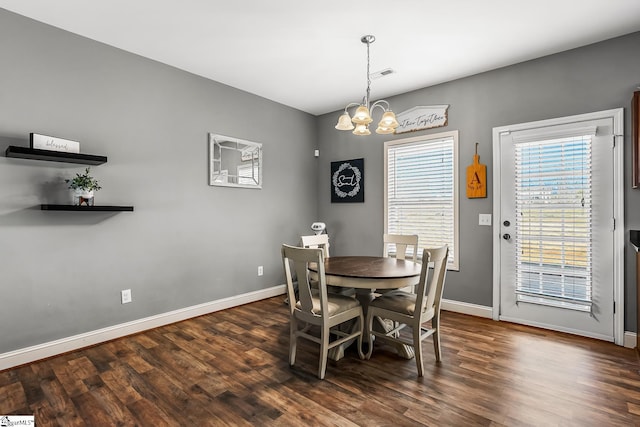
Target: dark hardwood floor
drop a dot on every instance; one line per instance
(230, 368)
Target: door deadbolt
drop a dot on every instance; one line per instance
(506, 236)
(506, 223)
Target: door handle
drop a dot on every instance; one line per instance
(506, 236)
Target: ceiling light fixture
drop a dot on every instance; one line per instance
(362, 116)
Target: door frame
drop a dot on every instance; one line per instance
(617, 115)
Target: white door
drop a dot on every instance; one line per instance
(556, 224)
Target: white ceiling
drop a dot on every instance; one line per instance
(308, 54)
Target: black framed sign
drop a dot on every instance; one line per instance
(347, 181)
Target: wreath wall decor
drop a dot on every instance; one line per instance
(347, 181)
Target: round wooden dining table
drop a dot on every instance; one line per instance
(366, 274)
(370, 272)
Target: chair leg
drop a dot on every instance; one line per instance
(367, 330)
(361, 325)
(293, 327)
(324, 352)
(436, 339)
(417, 349)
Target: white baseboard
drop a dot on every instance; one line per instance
(466, 308)
(53, 348)
(630, 339)
(64, 345)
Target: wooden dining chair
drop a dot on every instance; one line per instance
(414, 309)
(316, 241)
(317, 308)
(401, 243)
(322, 241)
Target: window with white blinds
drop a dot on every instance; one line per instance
(553, 222)
(421, 177)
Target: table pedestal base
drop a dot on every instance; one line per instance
(365, 296)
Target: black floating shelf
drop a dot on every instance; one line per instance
(54, 156)
(86, 208)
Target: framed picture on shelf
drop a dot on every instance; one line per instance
(51, 143)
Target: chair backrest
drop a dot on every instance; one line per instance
(299, 259)
(429, 292)
(402, 242)
(317, 241)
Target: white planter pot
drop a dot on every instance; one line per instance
(82, 198)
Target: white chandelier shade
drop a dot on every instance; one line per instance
(362, 116)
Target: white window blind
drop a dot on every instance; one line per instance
(553, 222)
(422, 191)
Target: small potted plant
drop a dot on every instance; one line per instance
(83, 186)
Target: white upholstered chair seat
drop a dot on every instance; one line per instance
(397, 301)
(335, 304)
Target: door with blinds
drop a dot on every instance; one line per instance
(556, 225)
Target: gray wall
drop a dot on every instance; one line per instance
(597, 77)
(186, 243)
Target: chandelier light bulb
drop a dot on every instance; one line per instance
(389, 120)
(362, 130)
(362, 116)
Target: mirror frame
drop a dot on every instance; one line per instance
(215, 163)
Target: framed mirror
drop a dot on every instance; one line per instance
(234, 162)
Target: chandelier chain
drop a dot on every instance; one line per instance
(368, 75)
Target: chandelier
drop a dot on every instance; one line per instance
(362, 116)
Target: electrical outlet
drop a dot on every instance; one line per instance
(484, 219)
(125, 296)
(260, 270)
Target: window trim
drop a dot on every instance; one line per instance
(455, 266)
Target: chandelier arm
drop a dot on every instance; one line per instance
(349, 105)
(378, 104)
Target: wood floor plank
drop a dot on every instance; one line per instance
(13, 398)
(147, 413)
(118, 380)
(83, 368)
(73, 385)
(231, 368)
